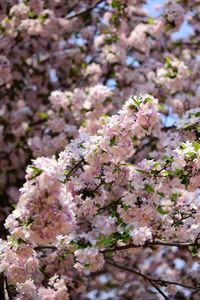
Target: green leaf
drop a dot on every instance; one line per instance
(119, 221)
(113, 141)
(157, 164)
(195, 251)
(172, 73)
(167, 159)
(32, 15)
(107, 100)
(125, 207)
(161, 107)
(83, 245)
(43, 116)
(148, 188)
(116, 4)
(197, 114)
(21, 241)
(117, 235)
(150, 21)
(43, 17)
(196, 145)
(148, 100)
(107, 240)
(161, 211)
(73, 72)
(178, 43)
(168, 63)
(160, 194)
(121, 236)
(114, 213)
(190, 155)
(111, 39)
(73, 243)
(175, 196)
(183, 146)
(16, 242)
(7, 20)
(154, 172)
(28, 222)
(133, 107)
(136, 101)
(86, 265)
(166, 173)
(172, 70)
(36, 171)
(183, 177)
(142, 171)
(65, 254)
(125, 236)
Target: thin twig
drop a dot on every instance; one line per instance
(41, 248)
(149, 244)
(167, 282)
(153, 281)
(98, 186)
(7, 288)
(2, 293)
(138, 273)
(83, 12)
(74, 168)
(158, 289)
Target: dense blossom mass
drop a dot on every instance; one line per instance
(99, 150)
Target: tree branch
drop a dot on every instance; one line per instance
(85, 11)
(74, 168)
(41, 248)
(138, 273)
(129, 246)
(153, 281)
(2, 294)
(154, 243)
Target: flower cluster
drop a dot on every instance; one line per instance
(99, 194)
(92, 198)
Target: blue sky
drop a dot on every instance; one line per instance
(185, 29)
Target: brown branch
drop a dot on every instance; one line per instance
(158, 289)
(110, 204)
(41, 248)
(151, 280)
(83, 12)
(167, 282)
(74, 168)
(2, 292)
(130, 246)
(72, 7)
(9, 293)
(149, 244)
(138, 273)
(140, 149)
(98, 186)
